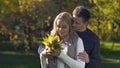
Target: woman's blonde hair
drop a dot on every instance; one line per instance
(62, 16)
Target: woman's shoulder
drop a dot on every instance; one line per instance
(41, 48)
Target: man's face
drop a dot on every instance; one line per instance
(78, 23)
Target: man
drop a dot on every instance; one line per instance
(91, 42)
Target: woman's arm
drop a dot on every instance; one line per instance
(42, 58)
(71, 62)
(43, 61)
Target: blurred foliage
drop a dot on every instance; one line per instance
(27, 21)
(106, 18)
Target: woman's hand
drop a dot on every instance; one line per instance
(56, 53)
(47, 53)
(50, 54)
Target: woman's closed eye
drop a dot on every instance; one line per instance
(61, 26)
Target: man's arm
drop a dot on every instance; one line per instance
(93, 59)
(95, 55)
(41, 48)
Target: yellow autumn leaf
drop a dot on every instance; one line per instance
(53, 42)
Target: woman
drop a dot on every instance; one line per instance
(72, 45)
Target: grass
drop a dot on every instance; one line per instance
(12, 59)
(110, 55)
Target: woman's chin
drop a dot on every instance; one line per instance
(61, 35)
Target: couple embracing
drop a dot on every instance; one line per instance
(83, 48)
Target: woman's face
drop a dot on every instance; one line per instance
(62, 28)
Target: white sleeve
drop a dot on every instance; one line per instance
(43, 61)
(80, 48)
(42, 58)
(71, 62)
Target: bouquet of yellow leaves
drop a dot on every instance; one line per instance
(53, 42)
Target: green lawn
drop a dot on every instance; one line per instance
(110, 55)
(9, 58)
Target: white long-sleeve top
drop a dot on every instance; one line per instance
(64, 58)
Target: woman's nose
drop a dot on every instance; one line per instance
(60, 29)
(73, 24)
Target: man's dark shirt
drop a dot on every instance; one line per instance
(92, 47)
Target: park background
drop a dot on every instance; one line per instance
(23, 23)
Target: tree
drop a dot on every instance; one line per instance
(104, 14)
(27, 21)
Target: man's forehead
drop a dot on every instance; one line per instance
(76, 18)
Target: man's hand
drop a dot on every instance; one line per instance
(84, 57)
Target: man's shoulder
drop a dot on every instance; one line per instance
(88, 34)
(93, 37)
(92, 34)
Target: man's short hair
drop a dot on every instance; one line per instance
(81, 11)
